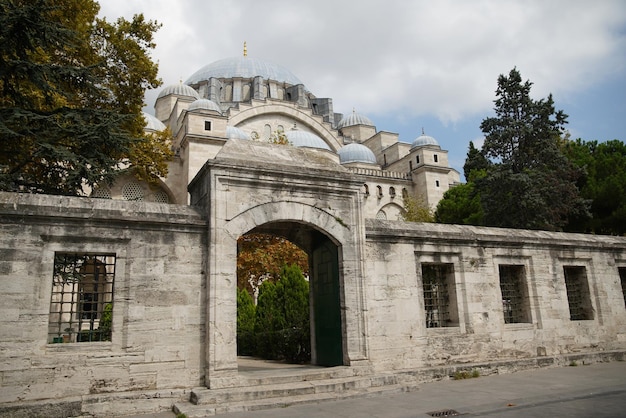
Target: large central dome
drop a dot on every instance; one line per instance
(244, 67)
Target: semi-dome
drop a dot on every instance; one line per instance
(205, 104)
(152, 123)
(179, 89)
(236, 133)
(422, 140)
(244, 67)
(299, 138)
(354, 119)
(356, 153)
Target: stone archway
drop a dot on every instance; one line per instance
(326, 288)
(253, 185)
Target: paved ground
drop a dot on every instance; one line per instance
(584, 391)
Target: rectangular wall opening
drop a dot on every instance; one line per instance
(81, 302)
(439, 295)
(578, 296)
(514, 290)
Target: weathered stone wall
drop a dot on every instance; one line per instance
(157, 349)
(397, 333)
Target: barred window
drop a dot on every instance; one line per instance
(578, 296)
(515, 301)
(622, 278)
(439, 295)
(81, 303)
(132, 191)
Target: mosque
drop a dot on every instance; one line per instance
(126, 301)
(249, 99)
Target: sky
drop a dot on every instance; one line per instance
(411, 65)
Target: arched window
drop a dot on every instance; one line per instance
(132, 191)
(381, 215)
(392, 192)
(366, 190)
(379, 191)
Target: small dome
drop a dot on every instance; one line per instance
(179, 89)
(236, 133)
(354, 119)
(306, 139)
(422, 140)
(356, 153)
(152, 123)
(205, 104)
(244, 67)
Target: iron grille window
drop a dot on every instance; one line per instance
(622, 278)
(578, 293)
(81, 303)
(438, 279)
(514, 297)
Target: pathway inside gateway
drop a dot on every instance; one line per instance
(324, 297)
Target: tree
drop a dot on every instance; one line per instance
(269, 322)
(71, 93)
(604, 184)
(529, 183)
(293, 291)
(261, 256)
(246, 312)
(475, 162)
(416, 210)
(460, 205)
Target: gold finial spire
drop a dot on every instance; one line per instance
(245, 49)
(422, 130)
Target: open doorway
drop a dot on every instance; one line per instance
(317, 256)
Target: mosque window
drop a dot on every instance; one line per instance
(439, 295)
(410, 165)
(417, 159)
(515, 301)
(622, 277)
(384, 159)
(207, 125)
(436, 158)
(405, 193)
(379, 191)
(101, 193)
(367, 189)
(392, 192)
(81, 302)
(436, 183)
(132, 191)
(381, 215)
(161, 197)
(578, 297)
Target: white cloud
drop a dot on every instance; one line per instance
(397, 57)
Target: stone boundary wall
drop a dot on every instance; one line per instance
(397, 325)
(157, 347)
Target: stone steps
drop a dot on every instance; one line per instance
(275, 392)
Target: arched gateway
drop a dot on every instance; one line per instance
(306, 197)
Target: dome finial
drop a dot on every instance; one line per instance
(245, 49)
(422, 130)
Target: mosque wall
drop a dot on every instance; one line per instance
(155, 352)
(545, 316)
(509, 294)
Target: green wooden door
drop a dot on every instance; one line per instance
(326, 305)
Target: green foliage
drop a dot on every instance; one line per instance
(293, 289)
(475, 163)
(246, 313)
(416, 210)
(282, 327)
(279, 137)
(529, 182)
(466, 374)
(106, 322)
(460, 205)
(71, 93)
(604, 184)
